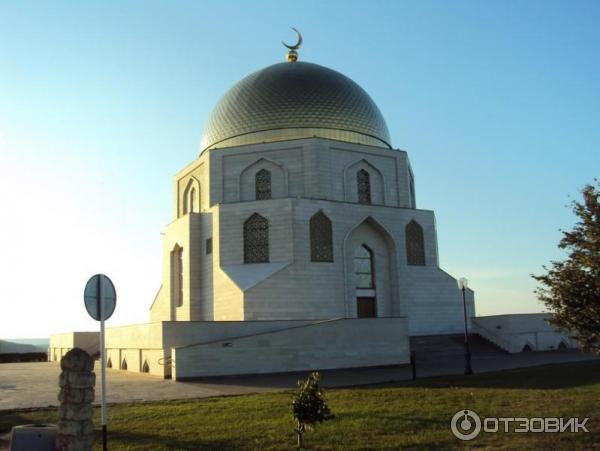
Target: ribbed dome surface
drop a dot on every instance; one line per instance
(295, 100)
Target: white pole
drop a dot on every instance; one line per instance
(102, 366)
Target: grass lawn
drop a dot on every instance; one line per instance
(391, 416)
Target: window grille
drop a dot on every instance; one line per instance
(363, 186)
(321, 241)
(363, 267)
(256, 239)
(262, 181)
(415, 244)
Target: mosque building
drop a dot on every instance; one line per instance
(296, 242)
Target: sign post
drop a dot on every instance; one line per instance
(100, 300)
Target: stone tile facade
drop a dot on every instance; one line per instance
(307, 176)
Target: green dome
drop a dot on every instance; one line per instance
(295, 100)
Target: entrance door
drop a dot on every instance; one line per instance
(365, 307)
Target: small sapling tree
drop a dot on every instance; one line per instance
(309, 406)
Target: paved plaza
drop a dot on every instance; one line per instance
(35, 385)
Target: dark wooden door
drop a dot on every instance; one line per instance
(366, 307)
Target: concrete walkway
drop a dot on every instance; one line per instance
(34, 385)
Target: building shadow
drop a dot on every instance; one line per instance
(554, 376)
(544, 370)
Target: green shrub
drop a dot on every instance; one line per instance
(309, 406)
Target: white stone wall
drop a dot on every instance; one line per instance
(281, 300)
(60, 344)
(308, 175)
(317, 290)
(247, 180)
(513, 331)
(331, 344)
(202, 308)
(310, 168)
(152, 342)
(164, 308)
(137, 344)
(189, 232)
(201, 268)
(232, 171)
(195, 174)
(228, 299)
(434, 302)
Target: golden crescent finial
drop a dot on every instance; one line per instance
(292, 55)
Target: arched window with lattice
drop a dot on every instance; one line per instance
(415, 244)
(364, 267)
(363, 186)
(321, 238)
(256, 239)
(262, 183)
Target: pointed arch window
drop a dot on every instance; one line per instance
(191, 197)
(321, 239)
(262, 183)
(415, 244)
(256, 239)
(177, 276)
(145, 367)
(363, 185)
(562, 345)
(124, 364)
(192, 200)
(363, 267)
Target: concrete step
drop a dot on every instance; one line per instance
(449, 347)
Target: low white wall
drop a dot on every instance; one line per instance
(136, 345)
(512, 332)
(151, 343)
(184, 333)
(147, 335)
(60, 344)
(341, 343)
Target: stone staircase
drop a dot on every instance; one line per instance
(433, 348)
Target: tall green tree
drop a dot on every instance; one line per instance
(571, 288)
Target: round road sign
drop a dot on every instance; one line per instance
(100, 297)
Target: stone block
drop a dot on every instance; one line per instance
(77, 360)
(71, 443)
(76, 395)
(81, 380)
(78, 412)
(76, 428)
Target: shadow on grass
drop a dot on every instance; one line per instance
(150, 441)
(115, 437)
(545, 377)
(11, 418)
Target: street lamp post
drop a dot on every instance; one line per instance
(462, 284)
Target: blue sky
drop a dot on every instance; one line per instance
(497, 104)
